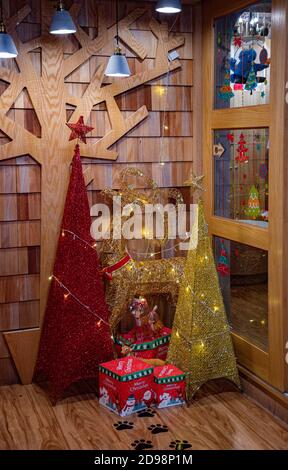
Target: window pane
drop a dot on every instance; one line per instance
(242, 57)
(243, 276)
(241, 175)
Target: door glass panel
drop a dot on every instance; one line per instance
(242, 57)
(243, 276)
(241, 165)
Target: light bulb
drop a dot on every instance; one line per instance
(168, 6)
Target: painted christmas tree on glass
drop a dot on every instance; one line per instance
(222, 265)
(253, 210)
(226, 92)
(251, 82)
(242, 150)
(201, 343)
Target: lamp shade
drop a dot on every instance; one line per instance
(117, 66)
(62, 23)
(7, 46)
(168, 6)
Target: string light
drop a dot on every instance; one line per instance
(64, 231)
(160, 90)
(69, 293)
(200, 342)
(147, 254)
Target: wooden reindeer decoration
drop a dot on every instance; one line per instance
(52, 150)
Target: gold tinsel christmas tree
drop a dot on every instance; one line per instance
(201, 343)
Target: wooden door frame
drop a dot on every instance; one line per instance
(271, 366)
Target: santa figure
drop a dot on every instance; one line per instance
(147, 398)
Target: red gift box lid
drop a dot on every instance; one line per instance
(145, 345)
(168, 374)
(127, 368)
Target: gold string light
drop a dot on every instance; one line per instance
(68, 293)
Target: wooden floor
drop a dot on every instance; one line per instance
(226, 420)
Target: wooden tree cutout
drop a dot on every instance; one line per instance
(53, 151)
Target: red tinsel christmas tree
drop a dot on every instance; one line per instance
(76, 336)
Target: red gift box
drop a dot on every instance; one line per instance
(155, 348)
(169, 386)
(126, 385)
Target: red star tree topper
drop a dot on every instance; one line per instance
(76, 336)
(79, 130)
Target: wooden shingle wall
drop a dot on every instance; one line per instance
(170, 135)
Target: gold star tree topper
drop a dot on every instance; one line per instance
(195, 182)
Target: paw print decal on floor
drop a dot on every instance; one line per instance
(141, 444)
(148, 413)
(121, 425)
(180, 445)
(158, 428)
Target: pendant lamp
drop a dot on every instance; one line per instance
(168, 6)
(62, 22)
(7, 46)
(117, 65)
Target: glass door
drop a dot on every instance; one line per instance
(241, 162)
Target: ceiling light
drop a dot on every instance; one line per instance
(168, 6)
(7, 46)
(117, 65)
(62, 22)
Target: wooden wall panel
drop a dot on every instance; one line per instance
(166, 136)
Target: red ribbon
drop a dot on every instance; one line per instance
(109, 270)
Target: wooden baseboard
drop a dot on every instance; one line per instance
(264, 394)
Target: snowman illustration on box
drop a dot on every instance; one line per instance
(130, 405)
